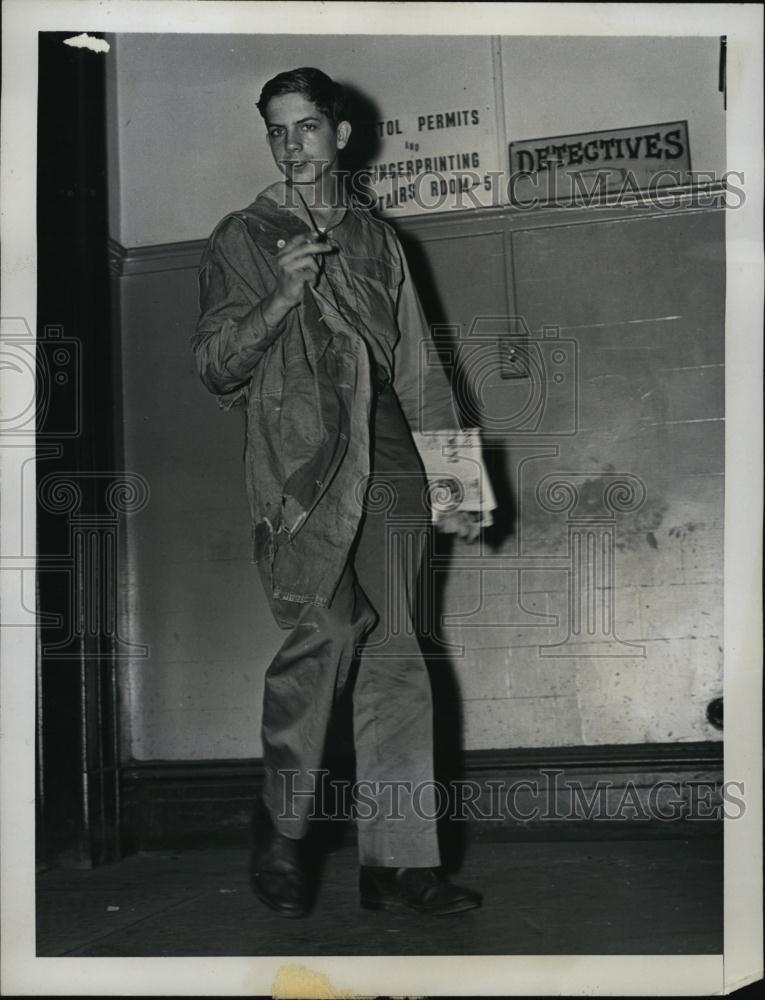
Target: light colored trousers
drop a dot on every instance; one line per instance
(372, 613)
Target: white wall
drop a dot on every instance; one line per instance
(556, 86)
(190, 143)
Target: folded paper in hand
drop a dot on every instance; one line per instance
(457, 476)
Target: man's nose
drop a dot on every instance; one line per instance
(293, 140)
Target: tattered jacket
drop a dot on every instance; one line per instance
(307, 383)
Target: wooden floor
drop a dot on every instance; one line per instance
(600, 897)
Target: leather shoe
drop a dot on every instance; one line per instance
(277, 870)
(424, 890)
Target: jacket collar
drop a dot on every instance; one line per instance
(280, 195)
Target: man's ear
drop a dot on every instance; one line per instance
(343, 134)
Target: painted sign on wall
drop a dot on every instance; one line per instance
(432, 160)
(586, 165)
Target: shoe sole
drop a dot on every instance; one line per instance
(290, 913)
(396, 906)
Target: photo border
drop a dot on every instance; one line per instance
(25, 973)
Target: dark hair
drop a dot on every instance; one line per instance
(314, 85)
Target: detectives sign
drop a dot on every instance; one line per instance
(572, 168)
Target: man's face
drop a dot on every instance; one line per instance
(304, 142)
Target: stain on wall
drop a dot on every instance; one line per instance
(650, 407)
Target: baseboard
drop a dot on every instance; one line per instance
(639, 790)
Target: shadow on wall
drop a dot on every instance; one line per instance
(362, 151)
(364, 146)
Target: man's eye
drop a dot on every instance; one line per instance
(309, 127)
(275, 133)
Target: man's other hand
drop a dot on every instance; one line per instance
(464, 523)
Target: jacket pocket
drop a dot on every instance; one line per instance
(300, 426)
(374, 268)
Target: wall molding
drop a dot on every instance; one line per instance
(186, 254)
(179, 256)
(176, 804)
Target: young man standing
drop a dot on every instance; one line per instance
(309, 319)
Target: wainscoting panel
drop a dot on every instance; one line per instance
(662, 790)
